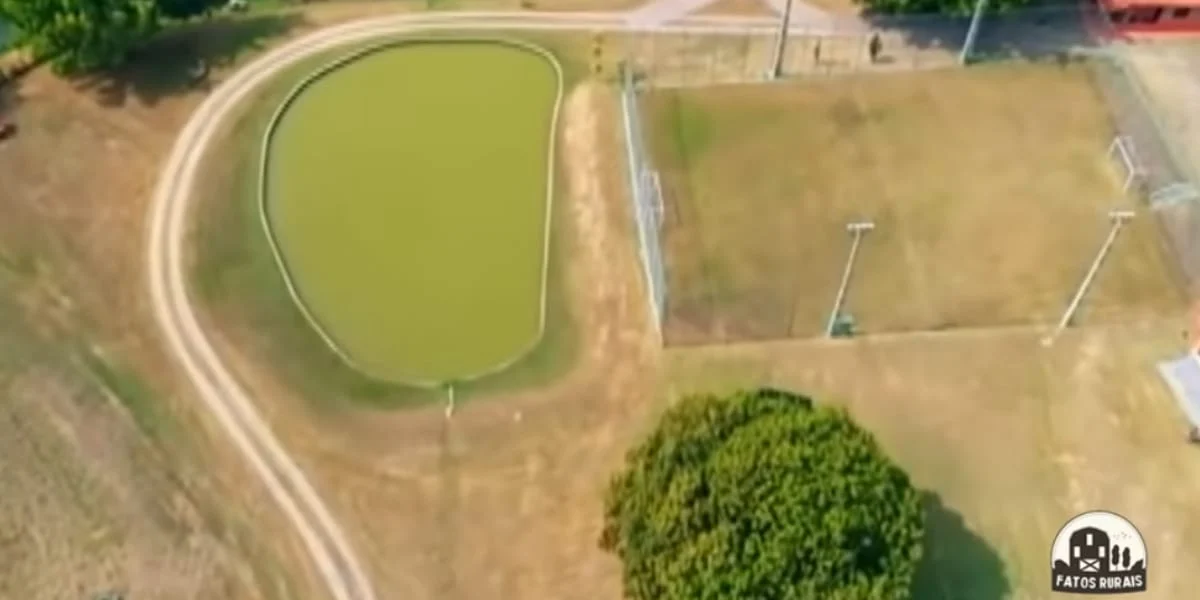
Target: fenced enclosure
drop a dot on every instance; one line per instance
(751, 252)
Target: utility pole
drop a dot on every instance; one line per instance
(1118, 218)
(776, 69)
(856, 229)
(968, 46)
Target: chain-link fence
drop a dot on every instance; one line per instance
(1152, 89)
(1142, 154)
(646, 195)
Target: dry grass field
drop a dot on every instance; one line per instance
(88, 504)
(112, 477)
(1009, 439)
(988, 206)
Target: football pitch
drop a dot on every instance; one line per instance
(988, 207)
(408, 194)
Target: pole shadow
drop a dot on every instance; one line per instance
(957, 564)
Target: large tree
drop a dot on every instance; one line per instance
(79, 35)
(762, 495)
(184, 9)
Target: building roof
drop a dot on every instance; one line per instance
(1123, 4)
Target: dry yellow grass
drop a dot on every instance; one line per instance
(1009, 439)
(1008, 436)
(989, 189)
(109, 479)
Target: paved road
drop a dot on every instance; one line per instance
(325, 541)
(657, 12)
(660, 12)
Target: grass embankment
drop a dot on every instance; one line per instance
(244, 295)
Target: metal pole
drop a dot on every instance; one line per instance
(856, 229)
(972, 32)
(785, 21)
(1118, 218)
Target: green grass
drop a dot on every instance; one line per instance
(407, 192)
(242, 293)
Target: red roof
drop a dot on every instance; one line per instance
(1123, 4)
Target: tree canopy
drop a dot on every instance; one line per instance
(946, 7)
(185, 9)
(81, 35)
(762, 495)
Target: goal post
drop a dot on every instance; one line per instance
(1123, 155)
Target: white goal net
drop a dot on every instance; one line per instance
(1124, 156)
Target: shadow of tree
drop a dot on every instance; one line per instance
(1036, 33)
(10, 99)
(181, 59)
(958, 564)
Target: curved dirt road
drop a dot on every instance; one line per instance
(222, 395)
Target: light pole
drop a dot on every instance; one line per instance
(857, 229)
(1118, 219)
(776, 69)
(972, 32)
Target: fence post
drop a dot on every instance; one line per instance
(776, 69)
(972, 32)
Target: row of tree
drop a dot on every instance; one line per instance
(82, 35)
